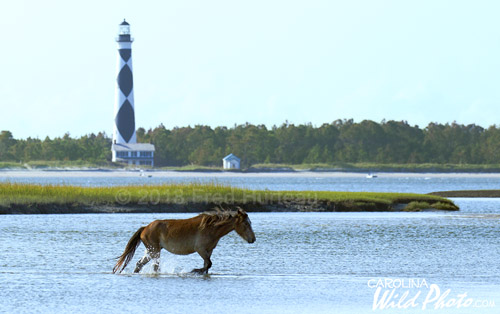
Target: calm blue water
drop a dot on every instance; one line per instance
(300, 263)
(281, 181)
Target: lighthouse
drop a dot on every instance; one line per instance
(125, 148)
(124, 130)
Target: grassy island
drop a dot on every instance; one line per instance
(469, 193)
(45, 199)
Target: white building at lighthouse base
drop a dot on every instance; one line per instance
(139, 154)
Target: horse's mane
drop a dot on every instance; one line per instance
(216, 218)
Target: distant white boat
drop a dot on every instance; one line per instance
(371, 176)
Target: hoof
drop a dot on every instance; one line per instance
(199, 271)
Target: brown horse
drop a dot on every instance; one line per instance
(185, 236)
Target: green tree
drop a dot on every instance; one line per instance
(7, 141)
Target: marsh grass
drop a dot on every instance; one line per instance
(417, 206)
(11, 165)
(423, 205)
(16, 194)
(48, 164)
(442, 206)
(469, 193)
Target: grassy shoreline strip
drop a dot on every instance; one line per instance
(268, 167)
(380, 167)
(32, 198)
(468, 193)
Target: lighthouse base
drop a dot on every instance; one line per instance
(139, 154)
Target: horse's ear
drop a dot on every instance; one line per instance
(241, 211)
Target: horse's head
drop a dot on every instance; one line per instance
(243, 226)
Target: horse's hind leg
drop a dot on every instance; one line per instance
(156, 261)
(143, 261)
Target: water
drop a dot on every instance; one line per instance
(386, 182)
(300, 263)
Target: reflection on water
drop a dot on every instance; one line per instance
(300, 263)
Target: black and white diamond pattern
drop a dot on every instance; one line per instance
(125, 81)
(125, 54)
(124, 107)
(125, 121)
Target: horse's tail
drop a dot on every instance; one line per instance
(127, 255)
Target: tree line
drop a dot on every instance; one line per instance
(340, 141)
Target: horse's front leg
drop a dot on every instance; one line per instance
(207, 262)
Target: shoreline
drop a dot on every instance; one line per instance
(356, 167)
(67, 173)
(55, 208)
(469, 193)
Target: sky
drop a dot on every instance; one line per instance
(227, 62)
